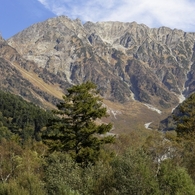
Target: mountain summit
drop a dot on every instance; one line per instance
(126, 60)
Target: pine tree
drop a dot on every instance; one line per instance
(185, 118)
(75, 130)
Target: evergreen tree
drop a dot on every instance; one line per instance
(185, 118)
(21, 117)
(75, 130)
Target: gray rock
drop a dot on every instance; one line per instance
(125, 60)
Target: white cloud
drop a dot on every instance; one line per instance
(154, 13)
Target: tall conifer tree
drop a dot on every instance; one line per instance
(76, 130)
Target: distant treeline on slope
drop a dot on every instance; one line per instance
(21, 117)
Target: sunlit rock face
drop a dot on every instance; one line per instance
(126, 60)
(17, 76)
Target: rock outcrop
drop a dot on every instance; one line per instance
(17, 77)
(126, 60)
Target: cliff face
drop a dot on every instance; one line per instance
(18, 76)
(126, 60)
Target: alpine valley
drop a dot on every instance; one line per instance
(142, 73)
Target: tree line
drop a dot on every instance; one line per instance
(67, 152)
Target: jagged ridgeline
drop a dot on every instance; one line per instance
(125, 60)
(18, 76)
(21, 117)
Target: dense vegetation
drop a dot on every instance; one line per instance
(139, 163)
(21, 117)
(73, 132)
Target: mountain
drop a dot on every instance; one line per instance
(130, 63)
(18, 76)
(126, 60)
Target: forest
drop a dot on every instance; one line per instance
(66, 152)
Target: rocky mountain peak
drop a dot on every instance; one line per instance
(126, 60)
(112, 31)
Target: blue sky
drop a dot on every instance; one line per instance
(16, 15)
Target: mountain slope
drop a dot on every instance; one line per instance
(126, 60)
(18, 76)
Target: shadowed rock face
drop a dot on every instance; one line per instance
(125, 60)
